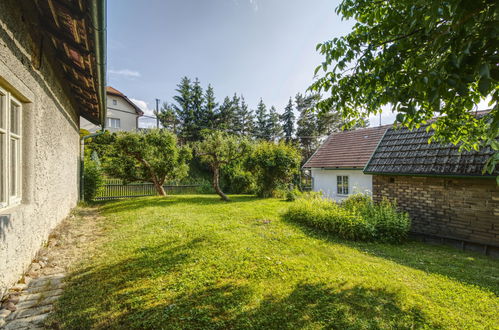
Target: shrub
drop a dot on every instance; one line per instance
(93, 180)
(236, 180)
(356, 201)
(330, 217)
(205, 187)
(274, 166)
(356, 218)
(293, 194)
(391, 225)
(312, 195)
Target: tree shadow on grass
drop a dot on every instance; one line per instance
(125, 296)
(317, 305)
(463, 266)
(96, 289)
(124, 205)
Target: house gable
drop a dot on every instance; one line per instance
(347, 149)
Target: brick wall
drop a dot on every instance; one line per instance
(464, 209)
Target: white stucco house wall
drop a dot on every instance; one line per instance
(122, 113)
(337, 166)
(44, 89)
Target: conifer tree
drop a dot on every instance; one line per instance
(209, 118)
(261, 121)
(307, 128)
(274, 129)
(245, 119)
(197, 101)
(168, 117)
(330, 122)
(184, 109)
(288, 121)
(225, 115)
(233, 115)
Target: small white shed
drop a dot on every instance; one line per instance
(337, 166)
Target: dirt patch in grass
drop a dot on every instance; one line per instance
(72, 240)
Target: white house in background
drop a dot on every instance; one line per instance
(337, 166)
(122, 114)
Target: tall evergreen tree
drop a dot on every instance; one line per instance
(233, 115)
(261, 120)
(225, 115)
(288, 121)
(168, 117)
(331, 121)
(244, 119)
(184, 109)
(209, 118)
(307, 128)
(274, 129)
(197, 101)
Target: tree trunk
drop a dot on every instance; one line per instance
(159, 188)
(216, 184)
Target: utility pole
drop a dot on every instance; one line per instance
(157, 113)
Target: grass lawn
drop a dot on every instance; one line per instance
(194, 262)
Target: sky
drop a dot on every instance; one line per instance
(258, 48)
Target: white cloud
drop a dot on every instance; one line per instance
(125, 72)
(144, 106)
(254, 4)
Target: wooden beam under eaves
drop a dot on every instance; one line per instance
(62, 37)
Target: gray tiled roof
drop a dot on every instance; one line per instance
(402, 151)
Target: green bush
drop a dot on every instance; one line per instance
(236, 180)
(293, 194)
(330, 217)
(391, 225)
(205, 187)
(356, 201)
(93, 180)
(356, 218)
(274, 166)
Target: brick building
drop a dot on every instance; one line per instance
(444, 190)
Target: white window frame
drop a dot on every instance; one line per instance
(10, 199)
(115, 102)
(342, 188)
(110, 122)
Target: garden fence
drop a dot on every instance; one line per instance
(115, 188)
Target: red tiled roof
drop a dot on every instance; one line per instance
(347, 149)
(113, 91)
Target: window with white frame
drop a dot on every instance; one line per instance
(113, 123)
(115, 102)
(10, 149)
(342, 184)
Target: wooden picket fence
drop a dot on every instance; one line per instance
(115, 188)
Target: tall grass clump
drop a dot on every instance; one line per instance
(356, 218)
(330, 217)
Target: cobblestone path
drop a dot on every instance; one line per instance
(31, 303)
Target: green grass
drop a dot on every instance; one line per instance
(194, 262)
